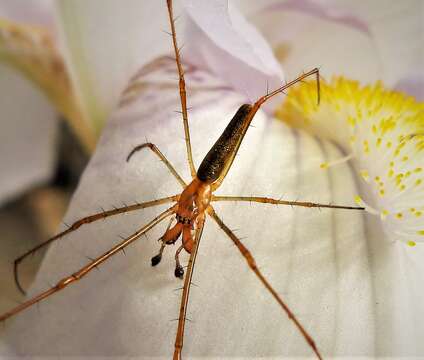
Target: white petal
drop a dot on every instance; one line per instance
(305, 41)
(221, 40)
(316, 259)
(105, 42)
(27, 135)
(396, 278)
(398, 33)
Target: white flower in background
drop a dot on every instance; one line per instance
(30, 40)
(356, 293)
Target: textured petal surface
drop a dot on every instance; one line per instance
(318, 260)
(27, 135)
(363, 120)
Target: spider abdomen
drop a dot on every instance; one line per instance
(220, 157)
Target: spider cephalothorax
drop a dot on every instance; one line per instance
(192, 203)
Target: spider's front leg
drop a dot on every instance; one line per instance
(82, 272)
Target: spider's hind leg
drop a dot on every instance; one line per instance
(94, 263)
(85, 220)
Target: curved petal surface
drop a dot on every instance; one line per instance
(317, 260)
(221, 40)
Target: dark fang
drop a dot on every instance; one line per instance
(179, 272)
(156, 259)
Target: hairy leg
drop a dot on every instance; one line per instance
(179, 340)
(266, 200)
(90, 266)
(183, 94)
(87, 220)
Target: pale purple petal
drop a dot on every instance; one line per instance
(413, 85)
(27, 135)
(220, 40)
(36, 12)
(385, 42)
(322, 9)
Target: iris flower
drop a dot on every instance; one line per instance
(352, 284)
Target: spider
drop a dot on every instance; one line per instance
(189, 209)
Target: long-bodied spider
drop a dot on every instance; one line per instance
(189, 209)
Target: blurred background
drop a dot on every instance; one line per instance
(36, 213)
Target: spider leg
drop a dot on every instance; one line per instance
(155, 149)
(252, 264)
(83, 221)
(183, 94)
(266, 200)
(179, 340)
(87, 268)
(300, 78)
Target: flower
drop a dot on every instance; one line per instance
(329, 267)
(384, 132)
(52, 56)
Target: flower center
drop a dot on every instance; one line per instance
(382, 131)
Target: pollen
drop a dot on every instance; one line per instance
(384, 132)
(365, 175)
(358, 200)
